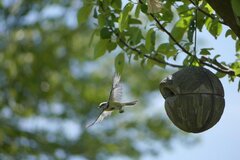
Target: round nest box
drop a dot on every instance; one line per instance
(194, 99)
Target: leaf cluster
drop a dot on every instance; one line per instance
(142, 35)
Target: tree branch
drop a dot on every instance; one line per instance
(170, 35)
(205, 61)
(207, 14)
(145, 55)
(157, 60)
(140, 53)
(220, 67)
(229, 72)
(213, 64)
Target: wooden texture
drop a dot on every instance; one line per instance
(194, 99)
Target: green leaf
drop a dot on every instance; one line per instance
(117, 4)
(191, 30)
(123, 19)
(236, 7)
(167, 49)
(205, 51)
(237, 46)
(239, 86)
(214, 27)
(201, 20)
(84, 13)
(167, 15)
(150, 39)
(159, 57)
(144, 8)
(229, 32)
(150, 64)
(238, 56)
(237, 71)
(111, 46)
(105, 33)
(119, 63)
(142, 63)
(207, 8)
(137, 11)
(187, 60)
(95, 13)
(135, 35)
(134, 21)
(143, 49)
(220, 74)
(101, 20)
(236, 68)
(183, 9)
(92, 37)
(216, 57)
(136, 57)
(100, 48)
(180, 28)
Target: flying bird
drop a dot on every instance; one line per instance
(113, 103)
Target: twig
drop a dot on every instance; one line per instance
(217, 66)
(170, 35)
(140, 53)
(157, 60)
(195, 35)
(145, 55)
(207, 14)
(229, 71)
(208, 62)
(221, 67)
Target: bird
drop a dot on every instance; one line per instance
(113, 103)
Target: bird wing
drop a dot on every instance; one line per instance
(116, 90)
(100, 117)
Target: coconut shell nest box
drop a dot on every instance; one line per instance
(194, 99)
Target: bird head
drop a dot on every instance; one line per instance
(102, 105)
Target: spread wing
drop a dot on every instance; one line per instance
(100, 117)
(115, 95)
(116, 90)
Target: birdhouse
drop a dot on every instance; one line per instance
(194, 99)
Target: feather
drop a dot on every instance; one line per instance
(116, 91)
(100, 117)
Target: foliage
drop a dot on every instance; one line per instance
(129, 26)
(235, 6)
(50, 86)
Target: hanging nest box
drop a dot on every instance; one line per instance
(194, 99)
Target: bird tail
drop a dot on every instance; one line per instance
(130, 103)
